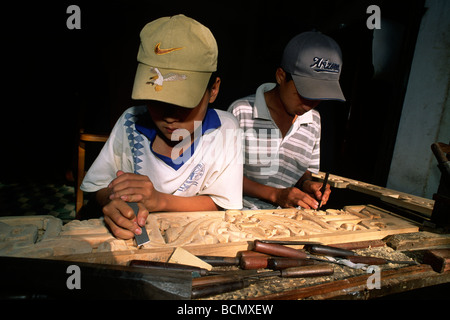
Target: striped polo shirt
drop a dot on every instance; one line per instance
(271, 159)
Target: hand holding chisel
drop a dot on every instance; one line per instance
(142, 238)
(322, 190)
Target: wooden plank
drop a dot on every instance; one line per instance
(418, 241)
(418, 204)
(360, 244)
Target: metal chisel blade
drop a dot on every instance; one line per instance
(142, 238)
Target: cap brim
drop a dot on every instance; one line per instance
(181, 88)
(314, 89)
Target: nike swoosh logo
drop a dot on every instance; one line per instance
(160, 51)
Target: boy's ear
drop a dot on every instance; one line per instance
(214, 91)
(280, 75)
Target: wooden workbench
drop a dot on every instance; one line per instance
(351, 284)
(385, 235)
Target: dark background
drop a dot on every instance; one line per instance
(59, 80)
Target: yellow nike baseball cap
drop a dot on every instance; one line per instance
(177, 56)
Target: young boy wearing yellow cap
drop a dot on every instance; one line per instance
(172, 153)
(282, 129)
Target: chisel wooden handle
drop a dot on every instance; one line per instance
(307, 271)
(207, 286)
(284, 263)
(328, 251)
(278, 250)
(249, 253)
(254, 262)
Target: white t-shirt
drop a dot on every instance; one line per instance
(214, 168)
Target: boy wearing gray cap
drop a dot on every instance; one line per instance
(172, 153)
(281, 128)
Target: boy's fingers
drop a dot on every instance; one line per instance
(128, 195)
(303, 205)
(125, 211)
(123, 177)
(118, 231)
(324, 197)
(132, 197)
(309, 201)
(142, 215)
(121, 216)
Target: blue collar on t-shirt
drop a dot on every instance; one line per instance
(210, 122)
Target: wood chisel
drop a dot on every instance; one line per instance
(142, 238)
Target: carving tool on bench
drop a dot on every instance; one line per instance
(142, 238)
(330, 254)
(351, 255)
(251, 260)
(322, 190)
(282, 251)
(196, 271)
(212, 285)
(157, 265)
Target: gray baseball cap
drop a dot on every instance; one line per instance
(315, 62)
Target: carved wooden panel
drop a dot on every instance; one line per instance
(179, 229)
(221, 233)
(421, 205)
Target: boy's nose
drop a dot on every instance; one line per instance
(170, 118)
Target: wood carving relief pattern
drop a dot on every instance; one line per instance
(213, 232)
(235, 225)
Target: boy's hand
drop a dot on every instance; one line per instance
(313, 188)
(131, 187)
(120, 218)
(294, 197)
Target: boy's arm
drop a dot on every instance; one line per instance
(170, 202)
(136, 188)
(307, 176)
(284, 197)
(131, 187)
